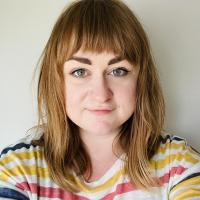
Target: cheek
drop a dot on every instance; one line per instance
(127, 95)
(70, 97)
(73, 97)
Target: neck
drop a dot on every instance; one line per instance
(101, 146)
(101, 149)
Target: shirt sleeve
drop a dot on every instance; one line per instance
(9, 163)
(187, 185)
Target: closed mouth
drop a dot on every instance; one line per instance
(100, 111)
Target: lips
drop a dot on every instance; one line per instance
(100, 111)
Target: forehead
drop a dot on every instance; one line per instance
(95, 54)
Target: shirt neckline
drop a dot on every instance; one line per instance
(117, 165)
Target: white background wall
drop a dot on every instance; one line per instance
(174, 31)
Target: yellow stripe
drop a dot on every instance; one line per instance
(103, 186)
(163, 149)
(24, 170)
(188, 182)
(188, 194)
(43, 172)
(171, 146)
(22, 156)
(169, 159)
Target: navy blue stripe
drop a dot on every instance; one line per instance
(194, 150)
(13, 194)
(171, 138)
(17, 146)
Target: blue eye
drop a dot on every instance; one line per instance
(118, 72)
(79, 73)
(121, 71)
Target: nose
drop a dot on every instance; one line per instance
(100, 90)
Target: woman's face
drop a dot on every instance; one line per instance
(100, 91)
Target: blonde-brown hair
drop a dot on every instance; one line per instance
(98, 25)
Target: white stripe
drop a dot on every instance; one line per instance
(166, 169)
(168, 152)
(34, 179)
(108, 190)
(37, 162)
(155, 194)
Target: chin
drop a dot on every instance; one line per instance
(100, 129)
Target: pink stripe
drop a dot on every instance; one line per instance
(173, 171)
(120, 188)
(49, 191)
(127, 187)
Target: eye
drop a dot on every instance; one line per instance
(79, 73)
(121, 71)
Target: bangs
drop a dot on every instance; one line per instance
(95, 27)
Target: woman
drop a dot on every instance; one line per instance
(101, 114)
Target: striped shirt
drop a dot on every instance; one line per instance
(24, 175)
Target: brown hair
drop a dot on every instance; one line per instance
(98, 25)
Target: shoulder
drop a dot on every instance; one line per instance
(20, 164)
(18, 155)
(166, 138)
(174, 144)
(178, 165)
(20, 147)
(175, 150)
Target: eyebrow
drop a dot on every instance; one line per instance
(89, 62)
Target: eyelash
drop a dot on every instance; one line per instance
(120, 68)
